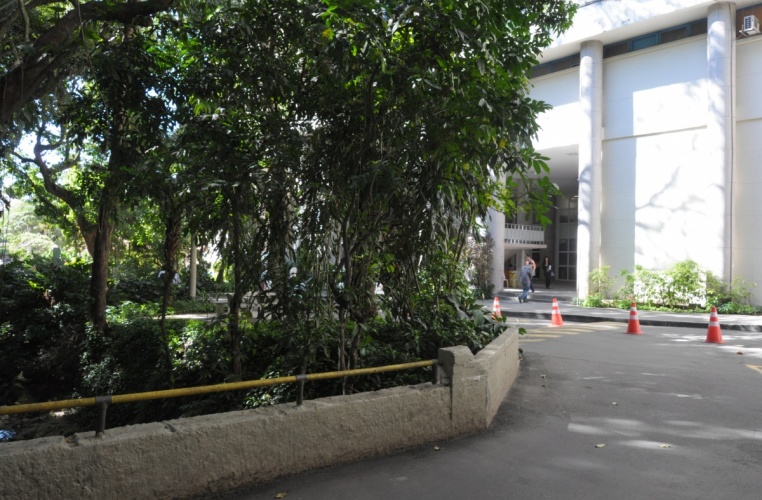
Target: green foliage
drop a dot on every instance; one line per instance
(480, 255)
(600, 282)
(42, 312)
(130, 359)
(684, 286)
(594, 300)
(358, 143)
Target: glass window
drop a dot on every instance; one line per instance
(698, 28)
(645, 42)
(674, 34)
(616, 49)
(541, 70)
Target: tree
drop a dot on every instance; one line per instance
(41, 40)
(112, 115)
(418, 111)
(360, 142)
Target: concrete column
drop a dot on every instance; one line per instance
(466, 380)
(720, 54)
(590, 150)
(496, 227)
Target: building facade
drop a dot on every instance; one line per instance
(654, 138)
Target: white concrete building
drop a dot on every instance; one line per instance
(655, 139)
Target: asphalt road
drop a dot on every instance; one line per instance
(595, 414)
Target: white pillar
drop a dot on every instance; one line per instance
(193, 268)
(590, 150)
(496, 227)
(720, 121)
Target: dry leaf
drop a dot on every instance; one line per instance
(543, 376)
(437, 448)
(614, 403)
(739, 352)
(600, 445)
(664, 446)
(281, 495)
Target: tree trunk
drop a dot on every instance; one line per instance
(171, 245)
(234, 302)
(100, 269)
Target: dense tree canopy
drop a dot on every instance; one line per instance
(323, 147)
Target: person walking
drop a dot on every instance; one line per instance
(526, 279)
(534, 271)
(547, 271)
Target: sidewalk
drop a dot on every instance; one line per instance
(539, 307)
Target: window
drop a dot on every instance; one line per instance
(567, 259)
(645, 41)
(567, 211)
(671, 34)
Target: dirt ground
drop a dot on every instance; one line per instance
(32, 426)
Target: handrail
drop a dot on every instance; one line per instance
(103, 401)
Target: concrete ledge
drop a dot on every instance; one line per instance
(193, 456)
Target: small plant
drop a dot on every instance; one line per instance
(600, 282)
(594, 300)
(684, 286)
(740, 291)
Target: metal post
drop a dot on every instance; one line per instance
(102, 403)
(300, 380)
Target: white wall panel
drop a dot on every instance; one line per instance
(747, 174)
(655, 91)
(748, 77)
(659, 202)
(557, 126)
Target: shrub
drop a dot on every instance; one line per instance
(685, 285)
(600, 282)
(594, 300)
(43, 308)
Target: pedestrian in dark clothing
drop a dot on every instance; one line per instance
(547, 271)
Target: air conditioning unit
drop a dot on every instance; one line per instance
(750, 25)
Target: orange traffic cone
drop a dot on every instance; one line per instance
(714, 334)
(496, 309)
(555, 315)
(633, 325)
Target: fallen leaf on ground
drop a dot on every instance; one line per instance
(664, 446)
(281, 495)
(600, 445)
(739, 352)
(437, 448)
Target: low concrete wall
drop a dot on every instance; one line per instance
(193, 456)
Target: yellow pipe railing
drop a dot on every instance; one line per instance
(104, 401)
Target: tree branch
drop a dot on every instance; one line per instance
(22, 83)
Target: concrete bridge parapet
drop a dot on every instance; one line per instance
(193, 456)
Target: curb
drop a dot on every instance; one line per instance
(576, 318)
